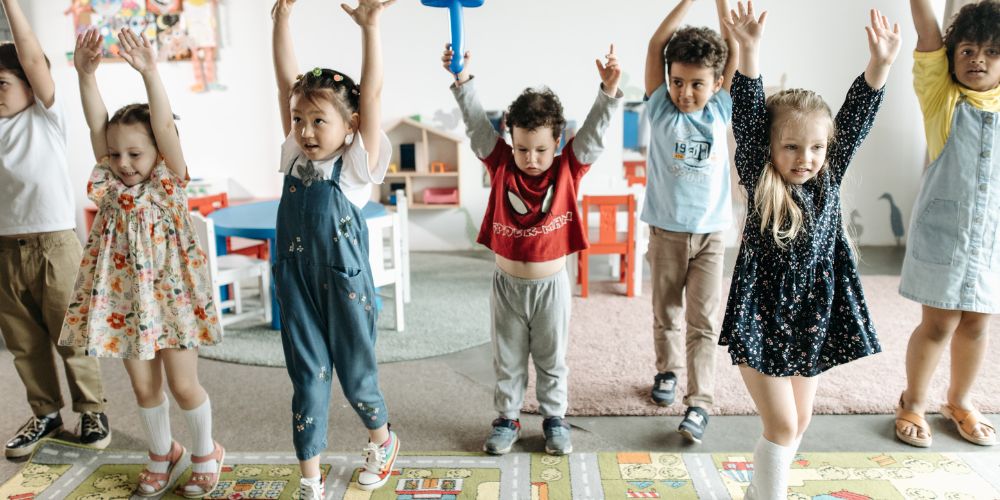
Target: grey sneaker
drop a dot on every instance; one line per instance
(664, 388)
(557, 440)
(504, 434)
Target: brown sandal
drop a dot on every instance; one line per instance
(966, 421)
(205, 481)
(154, 479)
(904, 416)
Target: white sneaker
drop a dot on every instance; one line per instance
(378, 463)
(311, 491)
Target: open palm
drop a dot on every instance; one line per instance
(136, 50)
(367, 11)
(87, 55)
(745, 26)
(883, 42)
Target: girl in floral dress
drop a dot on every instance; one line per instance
(144, 293)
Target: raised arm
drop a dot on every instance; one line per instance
(283, 56)
(747, 29)
(29, 53)
(589, 142)
(929, 36)
(482, 136)
(883, 44)
(655, 74)
(733, 56)
(137, 51)
(367, 14)
(86, 58)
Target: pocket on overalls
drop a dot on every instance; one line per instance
(937, 231)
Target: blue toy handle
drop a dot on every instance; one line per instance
(457, 45)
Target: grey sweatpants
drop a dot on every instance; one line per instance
(530, 316)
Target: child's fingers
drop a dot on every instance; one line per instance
(600, 67)
(763, 17)
(347, 9)
(387, 3)
(611, 51)
(872, 38)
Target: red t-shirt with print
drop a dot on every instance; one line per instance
(533, 219)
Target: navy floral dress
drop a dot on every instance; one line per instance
(798, 310)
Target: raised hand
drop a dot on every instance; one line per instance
(446, 62)
(281, 9)
(610, 72)
(136, 50)
(883, 43)
(745, 26)
(87, 55)
(367, 11)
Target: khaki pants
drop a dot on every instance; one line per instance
(37, 274)
(687, 266)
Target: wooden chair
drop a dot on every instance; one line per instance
(609, 240)
(230, 270)
(635, 172)
(210, 203)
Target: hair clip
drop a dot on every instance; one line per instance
(317, 72)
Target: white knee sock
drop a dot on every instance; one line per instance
(200, 424)
(770, 471)
(156, 423)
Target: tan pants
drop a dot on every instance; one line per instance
(687, 266)
(37, 274)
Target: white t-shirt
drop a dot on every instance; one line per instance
(355, 177)
(36, 194)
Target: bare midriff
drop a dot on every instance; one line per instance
(530, 270)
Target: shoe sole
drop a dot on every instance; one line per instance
(26, 450)
(663, 403)
(499, 452)
(100, 444)
(689, 436)
(558, 453)
(375, 486)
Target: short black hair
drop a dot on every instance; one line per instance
(975, 23)
(697, 45)
(536, 108)
(10, 62)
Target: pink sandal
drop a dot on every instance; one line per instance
(158, 482)
(204, 481)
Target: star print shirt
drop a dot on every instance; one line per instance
(534, 218)
(798, 310)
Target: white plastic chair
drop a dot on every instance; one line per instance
(388, 256)
(231, 269)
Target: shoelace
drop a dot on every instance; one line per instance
(307, 490)
(91, 423)
(374, 457)
(32, 427)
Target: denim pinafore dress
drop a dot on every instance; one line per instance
(953, 251)
(324, 287)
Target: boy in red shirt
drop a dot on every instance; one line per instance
(532, 224)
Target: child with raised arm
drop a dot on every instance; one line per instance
(796, 307)
(333, 151)
(688, 204)
(952, 263)
(39, 249)
(531, 224)
(143, 292)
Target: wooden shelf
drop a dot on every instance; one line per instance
(432, 206)
(403, 175)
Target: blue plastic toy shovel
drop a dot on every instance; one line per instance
(457, 45)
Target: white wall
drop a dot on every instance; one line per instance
(820, 45)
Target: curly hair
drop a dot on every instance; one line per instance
(697, 45)
(338, 88)
(10, 62)
(537, 108)
(976, 23)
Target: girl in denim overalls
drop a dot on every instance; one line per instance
(952, 263)
(321, 275)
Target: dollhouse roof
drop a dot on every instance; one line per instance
(409, 122)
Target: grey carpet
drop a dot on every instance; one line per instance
(449, 311)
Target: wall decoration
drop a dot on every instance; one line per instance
(182, 30)
(895, 218)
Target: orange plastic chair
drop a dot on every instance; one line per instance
(212, 202)
(608, 241)
(635, 172)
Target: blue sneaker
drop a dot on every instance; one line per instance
(664, 388)
(504, 434)
(694, 423)
(557, 440)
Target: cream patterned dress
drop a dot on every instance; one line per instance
(144, 282)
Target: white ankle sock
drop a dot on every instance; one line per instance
(156, 423)
(200, 425)
(770, 471)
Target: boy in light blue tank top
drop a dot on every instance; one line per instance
(687, 205)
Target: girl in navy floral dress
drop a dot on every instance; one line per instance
(795, 307)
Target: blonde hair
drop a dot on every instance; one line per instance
(773, 201)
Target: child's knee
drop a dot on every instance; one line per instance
(187, 391)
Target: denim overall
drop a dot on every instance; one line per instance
(953, 250)
(326, 296)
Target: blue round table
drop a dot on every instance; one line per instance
(257, 221)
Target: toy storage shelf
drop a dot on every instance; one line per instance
(415, 183)
(425, 164)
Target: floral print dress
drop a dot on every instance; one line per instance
(798, 310)
(144, 282)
